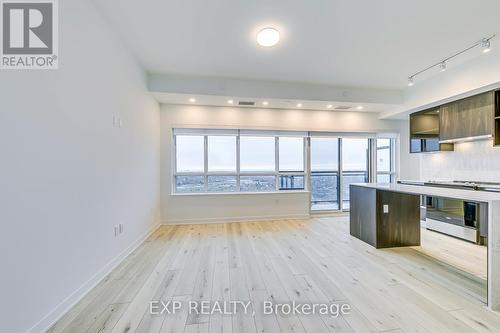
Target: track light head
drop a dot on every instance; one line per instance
(410, 81)
(485, 45)
(442, 66)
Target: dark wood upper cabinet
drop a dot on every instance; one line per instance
(424, 132)
(436, 129)
(425, 123)
(468, 117)
(497, 119)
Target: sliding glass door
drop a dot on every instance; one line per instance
(325, 180)
(354, 165)
(335, 164)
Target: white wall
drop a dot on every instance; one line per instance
(66, 175)
(213, 207)
(476, 161)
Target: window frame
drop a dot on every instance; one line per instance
(373, 173)
(392, 173)
(238, 174)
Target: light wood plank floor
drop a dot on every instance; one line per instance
(309, 261)
(464, 255)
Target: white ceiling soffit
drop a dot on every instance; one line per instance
(177, 89)
(268, 103)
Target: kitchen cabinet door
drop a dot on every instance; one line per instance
(480, 112)
(448, 120)
(469, 117)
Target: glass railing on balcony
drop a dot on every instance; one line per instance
(348, 178)
(325, 188)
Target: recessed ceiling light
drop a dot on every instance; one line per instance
(329, 106)
(265, 103)
(299, 105)
(268, 37)
(360, 107)
(192, 100)
(230, 101)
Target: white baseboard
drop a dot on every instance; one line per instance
(60, 310)
(235, 219)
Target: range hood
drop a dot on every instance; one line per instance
(468, 139)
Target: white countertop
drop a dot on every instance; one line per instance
(471, 195)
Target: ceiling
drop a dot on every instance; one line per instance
(352, 43)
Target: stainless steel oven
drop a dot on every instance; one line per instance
(458, 218)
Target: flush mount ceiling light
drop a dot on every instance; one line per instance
(484, 43)
(265, 103)
(230, 101)
(329, 106)
(192, 100)
(268, 37)
(299, 105)
(360, 107)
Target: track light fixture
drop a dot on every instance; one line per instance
(484, 43)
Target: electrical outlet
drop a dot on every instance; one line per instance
(386, 209)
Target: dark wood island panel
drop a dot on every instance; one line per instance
(384, 218)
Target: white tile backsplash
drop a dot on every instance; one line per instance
(476, 161)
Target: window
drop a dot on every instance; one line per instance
(257, 154)
(386, 171)
(229, 161)
(222, 183)
(190, 163)
(190, 153)
(291, 154)
(222, 154)
(189, 184)
(291, 163)
(292, 182)
(325, 153)
(257, 183)
(225, 161)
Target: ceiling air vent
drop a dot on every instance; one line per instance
(246, 103)
(343, 107)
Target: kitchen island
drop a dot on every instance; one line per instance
(387, 215)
